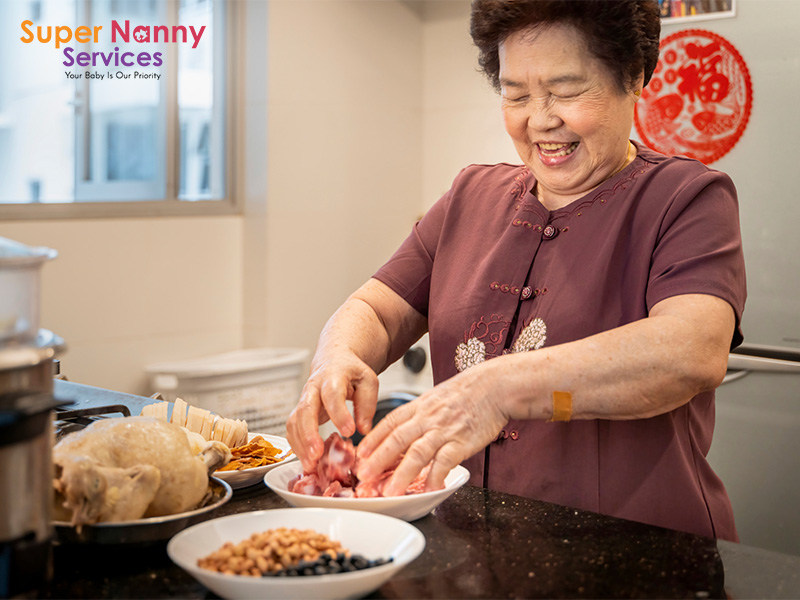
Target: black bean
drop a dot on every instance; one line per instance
(326, 564)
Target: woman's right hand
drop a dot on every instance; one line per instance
(335, 378)
(370, 330)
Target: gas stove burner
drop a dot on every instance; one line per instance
(67, 421)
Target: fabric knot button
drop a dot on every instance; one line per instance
(494, 285)
(504, 288)
(514, 435)
(527, 292)
(549, 232)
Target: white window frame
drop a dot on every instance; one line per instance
(102, 203)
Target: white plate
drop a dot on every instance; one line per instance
(373, 536)
(246, 477)
(408, 508)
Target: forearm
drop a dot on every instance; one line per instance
(636, 371)
(374, 324)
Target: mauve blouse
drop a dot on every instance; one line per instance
(494, 271)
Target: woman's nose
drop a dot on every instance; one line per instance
(543, 118)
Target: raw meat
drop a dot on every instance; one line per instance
(335, 475)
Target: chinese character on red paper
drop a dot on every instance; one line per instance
(699, 99)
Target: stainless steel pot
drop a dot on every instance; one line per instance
(26, 431)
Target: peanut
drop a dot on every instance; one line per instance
(270, 551)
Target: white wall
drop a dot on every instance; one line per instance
(344, 153)
(462, 122)
(127, 292)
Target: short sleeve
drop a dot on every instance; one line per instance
(408, 271)
(699, 249)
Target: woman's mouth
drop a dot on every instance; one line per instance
(555, 153)
(557, 149)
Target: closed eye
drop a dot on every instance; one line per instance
(566, 93)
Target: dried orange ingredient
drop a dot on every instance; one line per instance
(256, 453)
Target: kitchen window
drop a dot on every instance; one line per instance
(128, 120)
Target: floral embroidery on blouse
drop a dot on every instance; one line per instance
(470, 354)
(484, 339)
(473, 351)
(532, 337)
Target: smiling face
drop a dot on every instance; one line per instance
(568, 118)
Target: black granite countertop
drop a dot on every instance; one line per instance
(481, 544)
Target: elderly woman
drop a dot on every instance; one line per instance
(581, 305)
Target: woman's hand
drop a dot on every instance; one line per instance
(333, 381)
(446, 425)
(369, 331)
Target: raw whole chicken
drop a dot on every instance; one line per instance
(121, 469)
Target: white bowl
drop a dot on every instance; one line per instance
(245, 477)
(408, 508)
(373, 536)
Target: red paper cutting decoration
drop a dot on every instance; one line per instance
(699, 99)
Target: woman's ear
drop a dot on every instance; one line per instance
(638, 86)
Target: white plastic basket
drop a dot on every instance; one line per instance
(261, 386)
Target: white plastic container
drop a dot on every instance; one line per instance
(20, 267)
(261, 385)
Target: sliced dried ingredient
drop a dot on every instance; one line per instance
(256, 453)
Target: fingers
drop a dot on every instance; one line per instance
(334, 393)
(445, 425)
(442, 456)
(447, 458)
(389, 440)
(382, 429)
(302, 429)
(417, 457)
(319, 403)
(365, 400)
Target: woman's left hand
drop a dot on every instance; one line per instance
(446, 425)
